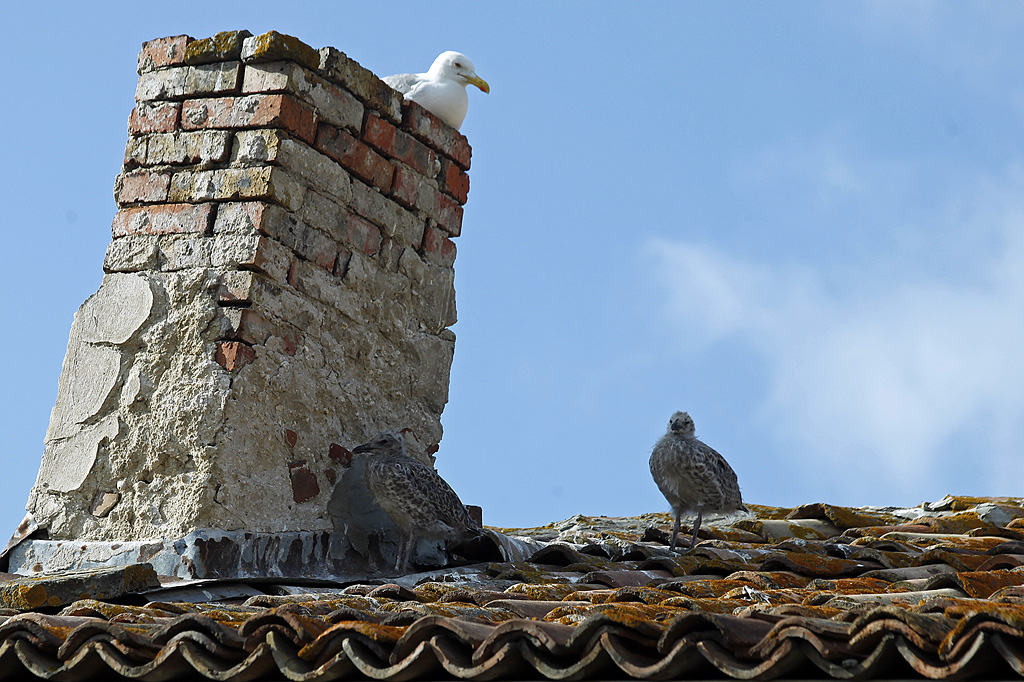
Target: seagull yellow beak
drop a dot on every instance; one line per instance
(479, 82)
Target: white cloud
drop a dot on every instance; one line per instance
(883, 378)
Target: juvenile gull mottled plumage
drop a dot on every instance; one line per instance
(413, 495)
(442, 89)
(692, 476)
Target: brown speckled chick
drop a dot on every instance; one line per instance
(692, 476)
(413, 495)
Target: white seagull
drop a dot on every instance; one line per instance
(442, 89)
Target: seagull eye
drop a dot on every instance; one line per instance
(458, 64)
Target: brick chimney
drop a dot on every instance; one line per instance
(279, 287)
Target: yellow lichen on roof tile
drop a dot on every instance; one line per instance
(543, 591)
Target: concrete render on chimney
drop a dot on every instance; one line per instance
(279, 287)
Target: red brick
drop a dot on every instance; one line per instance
(210, 112)
(416, 154)
(291, 437)
(154, 118)
(398, 144)
(436, 134)
(362, 235)
(141, 187)
(356, 156)
(163, 219)
(340, 454)
(288, 113)
(304, 483)
(162, 52)
(437, 248)
(233, 355)
(251, 111)
(453, 180)
(380, 134)
(449, 215)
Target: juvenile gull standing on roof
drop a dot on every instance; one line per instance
(413, 495)
(442, 89)
(692, 476)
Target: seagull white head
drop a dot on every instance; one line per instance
(457, 67)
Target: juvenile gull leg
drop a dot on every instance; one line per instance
(692, 476)
(696, 526)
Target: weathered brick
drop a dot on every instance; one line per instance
(251, 111)
(160, 117)
(412, 190)
(333, 104)
(132, 254)
(266, 182)
(163, 52)
(184, 252)
(449, 215)
(325, 214)
(213, 79)
(255, 252)
(273, 46)
(437, 248)
(318, 170)
(163, 219)
(222, 47)
(163, 84)
(452, 180)
(314, 281)
(236, 287)
(234, 355)
(246, 325)
(141, 187)
(135, 152)
(394, 221)
(251, 217)
(355, 156)
(398, 144)
(200, 147)
(362, 235)
(346, 72)
(437, 134)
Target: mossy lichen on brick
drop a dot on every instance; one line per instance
(222, 47)
(273, 46)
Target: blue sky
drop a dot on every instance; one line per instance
(802, 222)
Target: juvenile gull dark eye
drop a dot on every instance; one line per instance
(413, 495)
(692, 476)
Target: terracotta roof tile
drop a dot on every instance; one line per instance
(818, 590)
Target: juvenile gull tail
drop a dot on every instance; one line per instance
(692, 476)
(413, 495)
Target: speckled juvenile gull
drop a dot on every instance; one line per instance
(413, 495)
(442, 89)
(692, 476)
